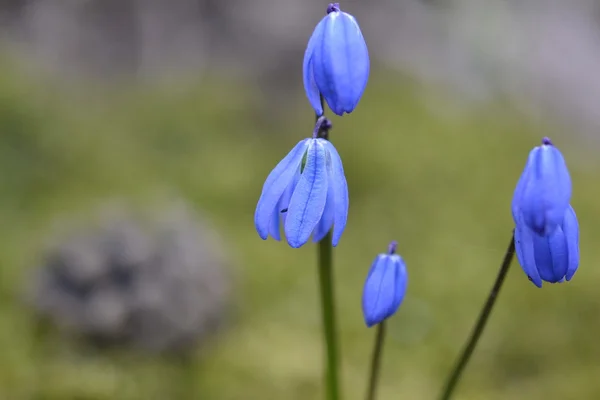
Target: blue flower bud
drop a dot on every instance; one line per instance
(307, 191)
(543, 192)
(336, 63)
(553, 257)
(385, 287)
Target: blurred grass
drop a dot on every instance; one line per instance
(436, 178)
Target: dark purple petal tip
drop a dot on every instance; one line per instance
(392, 247)
(333, 7)
(546, 141)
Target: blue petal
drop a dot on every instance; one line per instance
(525, 253)
(337, 182)
(341, 62)
(326, 221)
(284, 202)
(551, 256)
(547, 191)
(571, 229)
(518, 194)
(275, 185)
(308, 201)
(274, 231)
(401, 280)
(282, 205)
(384, 288)
(310, 87)
(375, 297)
(560, 254)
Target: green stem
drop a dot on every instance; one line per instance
(329, 323)
(376, 361)
(325, 255)
(481, 322)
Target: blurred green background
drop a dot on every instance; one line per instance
(421, 170)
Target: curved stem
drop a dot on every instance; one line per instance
(376, 361)
(329, 323)
(481, 322)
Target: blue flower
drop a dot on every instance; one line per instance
(336, 63)
(307, 191)
(385, 287)
(543, 192)
(553, 257)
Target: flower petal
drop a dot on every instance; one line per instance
(274, 187)
(401, 279)
(374, 293)
(324, 225)
(310, 87)
(282, 205)
(274, 230)
(341, 62)
(571, 229)
(339, 186)
(518, 194)
(384, 288)
(525, 254)
(551, 257)
(547, 191)
(308, 201)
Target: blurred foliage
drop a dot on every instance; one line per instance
(421, 170)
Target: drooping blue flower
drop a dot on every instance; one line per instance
(336, 63)
(553, 257)
(307, 191)
(543, 192)
(385, 287)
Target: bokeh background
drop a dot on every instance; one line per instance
(135, 136)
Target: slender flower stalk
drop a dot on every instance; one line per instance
(463, 360)
(376, 362)
(325, 268)
(383, 293)
(329, 320)
(335, 70)
(545, 238)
